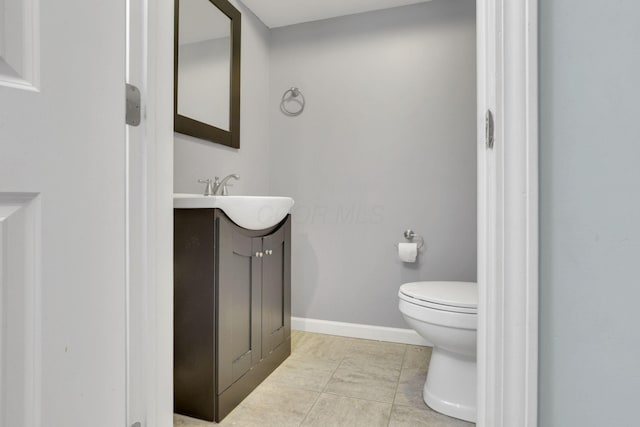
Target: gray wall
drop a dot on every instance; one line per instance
(590, 213)
(195, 158)
(387, 142)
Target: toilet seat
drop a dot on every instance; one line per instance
(456, 297)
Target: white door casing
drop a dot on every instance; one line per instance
(150, 216)
(137, 290)
(62, 204)
(508, 214)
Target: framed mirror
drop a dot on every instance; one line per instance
(206, 97)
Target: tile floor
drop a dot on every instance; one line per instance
(331, 381)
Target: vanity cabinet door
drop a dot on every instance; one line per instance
(232, 310)
(240, 295)
(276, 289)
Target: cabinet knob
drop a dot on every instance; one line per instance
(268, 251)
(259, 254)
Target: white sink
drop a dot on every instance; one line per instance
(251, 212)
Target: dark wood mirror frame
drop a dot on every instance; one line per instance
(191, 127)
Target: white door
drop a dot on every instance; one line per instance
(62, 213)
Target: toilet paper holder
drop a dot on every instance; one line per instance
(409, 234)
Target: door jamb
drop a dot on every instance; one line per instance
(155, 70)
(508, 214)
(159, 113)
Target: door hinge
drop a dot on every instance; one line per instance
(488, 130)
(133, 97)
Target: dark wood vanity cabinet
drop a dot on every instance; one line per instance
(232, 309)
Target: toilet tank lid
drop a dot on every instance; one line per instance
(456, 294)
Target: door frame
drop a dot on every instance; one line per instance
(507, 53)
(508, 214)
(150, 67)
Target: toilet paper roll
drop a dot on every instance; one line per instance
(408, 252)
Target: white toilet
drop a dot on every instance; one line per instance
(445, 314)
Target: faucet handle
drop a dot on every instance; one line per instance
(209, 190)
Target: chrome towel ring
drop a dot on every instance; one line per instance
(292, 95)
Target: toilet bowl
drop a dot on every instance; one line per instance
(445, 314)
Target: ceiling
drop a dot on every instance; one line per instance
(278, 13)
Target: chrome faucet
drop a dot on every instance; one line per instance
(217, 187)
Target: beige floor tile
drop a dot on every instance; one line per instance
(360, 379)
(338, 411)
(182, 421)
(367, 381)
(410, 388)
(295, 339)
(272, 406)
(369, 348)
(382, 355)
(407, 416)
(417, 357)
(319, 346)
(304, 372)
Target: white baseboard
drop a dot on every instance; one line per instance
(356, 330)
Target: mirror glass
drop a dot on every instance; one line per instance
(204, 63)
(207, 70)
